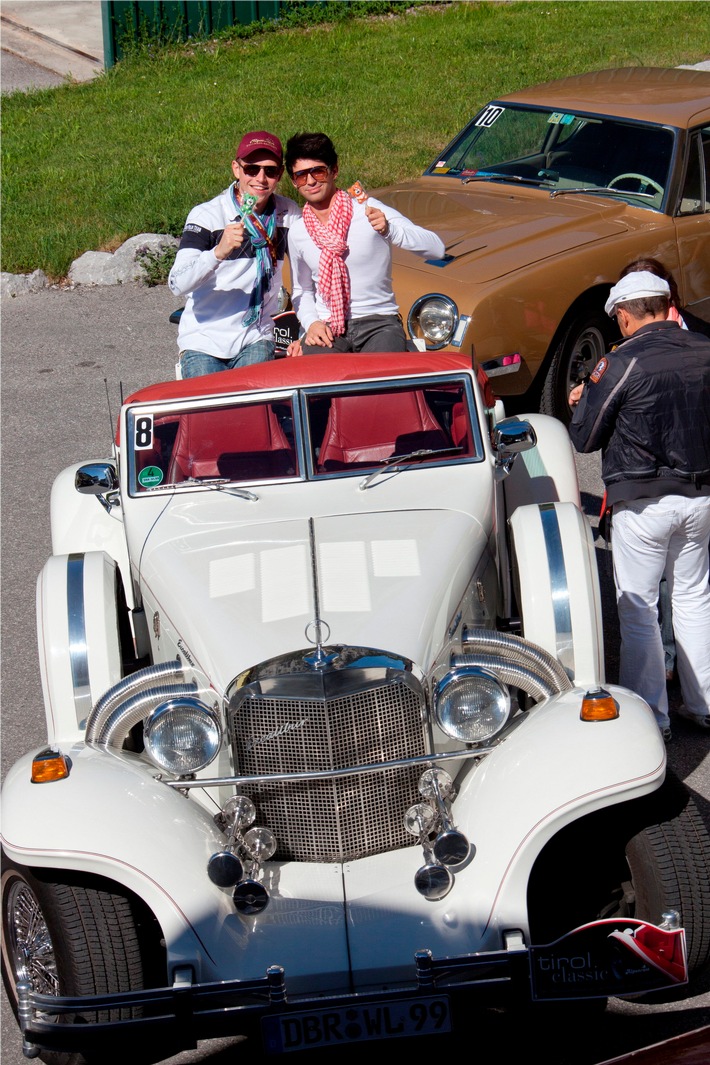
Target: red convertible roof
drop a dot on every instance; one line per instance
(306, 370)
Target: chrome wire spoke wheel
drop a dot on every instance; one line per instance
(31, 945)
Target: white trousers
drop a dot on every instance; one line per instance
(650, 538)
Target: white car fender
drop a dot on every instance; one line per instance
(557, 584)
(77, 633)
(112, 817)
(547, 472)
(562, 769)
(80, 523)
(81, 824)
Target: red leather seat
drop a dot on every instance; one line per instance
(242, 443)
(459, 427)
(366, 429)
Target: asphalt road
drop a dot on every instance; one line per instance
(59, 348)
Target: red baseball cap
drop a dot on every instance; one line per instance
(260, 141)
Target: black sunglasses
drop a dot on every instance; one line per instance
(251, 170)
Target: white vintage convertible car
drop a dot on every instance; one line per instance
(330, 750)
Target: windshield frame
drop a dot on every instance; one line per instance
(301, 431)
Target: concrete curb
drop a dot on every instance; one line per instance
(43, 51)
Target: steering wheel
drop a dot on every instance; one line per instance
(641, 178)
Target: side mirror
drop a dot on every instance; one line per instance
(510, 437)
(96, 478)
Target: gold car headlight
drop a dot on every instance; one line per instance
(433, 318)
(471, 704)
(182, 735)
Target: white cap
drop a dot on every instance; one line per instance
(635, 286)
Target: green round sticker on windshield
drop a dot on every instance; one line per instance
(150, 477)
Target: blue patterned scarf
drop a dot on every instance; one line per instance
(261, 232)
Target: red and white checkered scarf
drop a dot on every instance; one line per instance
(333, 277)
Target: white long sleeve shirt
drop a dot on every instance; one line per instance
(368, 260)
(218, 291)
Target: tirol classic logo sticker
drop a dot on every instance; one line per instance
(150, 477)
(611, 956)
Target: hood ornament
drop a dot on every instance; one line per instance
(317, 631)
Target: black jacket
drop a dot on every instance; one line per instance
(647, 406)
(697, 325)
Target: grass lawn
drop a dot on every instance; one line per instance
(86, 166)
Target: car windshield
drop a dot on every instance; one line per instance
(559, 150)
(210, 443)
(356, 430)
(326, 432)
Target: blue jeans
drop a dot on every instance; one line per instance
(197, 363)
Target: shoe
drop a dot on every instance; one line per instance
(701, 720)
(667, 734)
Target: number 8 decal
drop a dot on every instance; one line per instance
(489, 116)
(143, 437)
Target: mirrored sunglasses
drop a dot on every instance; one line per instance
(318, 173)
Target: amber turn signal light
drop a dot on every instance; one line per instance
(598, 705)
(49, 765)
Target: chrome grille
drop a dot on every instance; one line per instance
(344, 818)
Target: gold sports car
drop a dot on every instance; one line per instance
(541, 201)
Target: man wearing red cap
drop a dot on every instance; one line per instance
(229, 264)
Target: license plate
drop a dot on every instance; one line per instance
(285, 1032)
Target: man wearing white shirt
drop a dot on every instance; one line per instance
(340, 253)
(230, 261)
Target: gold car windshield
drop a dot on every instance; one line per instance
(318, 432)
(559, 150)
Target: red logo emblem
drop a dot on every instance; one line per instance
(599, 370)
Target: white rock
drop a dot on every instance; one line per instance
(97, 268)
(151, 242)
(121, 266)
(21, 284)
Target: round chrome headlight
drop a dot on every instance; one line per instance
(433, 318)
(471, 704)
(182, 735)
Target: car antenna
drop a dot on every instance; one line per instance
(110, 414)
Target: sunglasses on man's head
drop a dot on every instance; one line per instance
(318, 173)
(251, 170)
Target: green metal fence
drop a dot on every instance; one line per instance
(162, 20)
